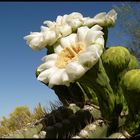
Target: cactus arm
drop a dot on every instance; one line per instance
(100, 84)
(131, 87)
(97, 129)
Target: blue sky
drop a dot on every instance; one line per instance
(18, 62)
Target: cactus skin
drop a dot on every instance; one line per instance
(97, 129)
(131, 87)
(68, 127)
(117, 60)
(97, 79)
(117, 135)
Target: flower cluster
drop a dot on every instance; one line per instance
(77, 42)
(75, 54)
(64, 26)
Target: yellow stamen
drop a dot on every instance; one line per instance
(69, 54)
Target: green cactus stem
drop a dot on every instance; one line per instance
(131, 87)
(97, 79)
(91, 97)
(117, 60)
(71, 123)
(97, 129)
(117, 135)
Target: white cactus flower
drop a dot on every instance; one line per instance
(75, 20)
(102, 19)
(64, 25)
(73, 57)
(39, 40)
(111, 17)
(35, 40)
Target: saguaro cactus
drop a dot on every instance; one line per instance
(80, 69)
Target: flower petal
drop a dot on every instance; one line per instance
(92, 36)
(89, 21)
(82, 32)
(58, 48)
(75, 24)
(65, 30)
(49, 23)
(111, 17)
(69, 40)
(112, 14)
(74, 20)
(100, 41)
(75, 70)
(46, 65)
(56, 78)
(35, 40)
(100, 15)
(65, 77)
(45, 75)
(88, 59)
(49, 57)
(96, 28)
(97, 49)
(59, 19)
(44, 29)
(50, 37)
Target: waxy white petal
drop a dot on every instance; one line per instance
(75, 70)
(35, 40)
(88, 59)
(56, 79)
(96, 28)
(44, 29)
(59, 19)
(47, 74)
(45, 66)
(92, 36)
(82, 32)
(100, 41)
(50, 37)
(65, 77)
(58, 49)
(69, 40)
(111, 17)
(49, 57)
(65, 30)
(89, 22)
(44, 75)
(41, 68)
(75, 24)
(100, 15)
(96, 49)
(49, 64)
(49, 23)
